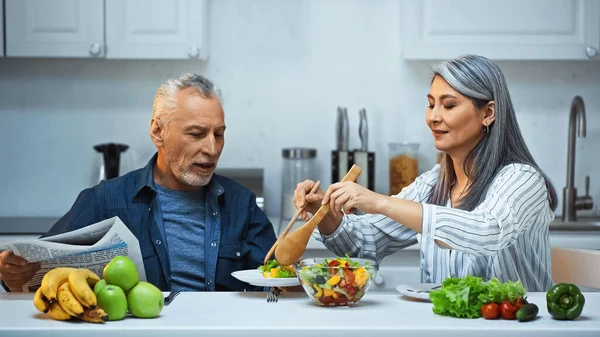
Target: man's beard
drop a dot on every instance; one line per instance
(182, 172)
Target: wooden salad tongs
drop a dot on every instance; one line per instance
(290, 248)
(289, 225)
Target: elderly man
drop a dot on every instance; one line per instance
(194, 227)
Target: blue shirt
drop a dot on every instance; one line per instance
(238, 234)
(183, 222)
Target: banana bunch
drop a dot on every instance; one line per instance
(68, 292)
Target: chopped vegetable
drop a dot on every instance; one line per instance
(339, 281)
(565, 301)
(464, 297)
(272, 269)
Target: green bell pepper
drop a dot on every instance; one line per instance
(565, 301)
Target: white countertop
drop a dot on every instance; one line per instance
(248, 314)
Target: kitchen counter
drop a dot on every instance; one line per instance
(249, 314)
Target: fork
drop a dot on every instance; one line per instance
(424, 291)
(171, 296)
(273, 295)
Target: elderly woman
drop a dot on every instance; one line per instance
(483, 211)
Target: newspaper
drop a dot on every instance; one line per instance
(91, 247)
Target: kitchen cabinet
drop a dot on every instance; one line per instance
(116, 29)
(58, 28)
(1, 29)
(501, 30)
(156, 29)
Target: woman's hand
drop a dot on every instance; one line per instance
(312, 201)
(344, 198)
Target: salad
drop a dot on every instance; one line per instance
(272, 269)
(335, 282)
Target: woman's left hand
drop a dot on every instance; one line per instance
(344, 198)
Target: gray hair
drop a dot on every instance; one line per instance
(482, 81)
(164, 101)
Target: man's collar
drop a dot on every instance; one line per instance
(147, 179)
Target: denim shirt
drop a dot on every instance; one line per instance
(238, 234)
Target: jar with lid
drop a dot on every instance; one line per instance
(299, 164)
(403, 165)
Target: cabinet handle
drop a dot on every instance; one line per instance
(95, 49)
(591, 52)
(193, 52)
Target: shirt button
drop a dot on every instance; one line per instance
(158, 242)
(209, 282)
(214, 244)
(149, 208)
(237, 254)
(214, 213)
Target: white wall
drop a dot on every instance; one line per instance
(284, 66)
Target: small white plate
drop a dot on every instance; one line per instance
(256, 278)
(419, 290)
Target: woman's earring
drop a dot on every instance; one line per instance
(487, 129)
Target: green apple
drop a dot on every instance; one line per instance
(99, 286)
(113, 300)
(121, 271)
(145, 300)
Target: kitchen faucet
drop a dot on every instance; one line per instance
(571, 202)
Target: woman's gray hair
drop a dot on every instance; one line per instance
(165, 102)
(482, 81)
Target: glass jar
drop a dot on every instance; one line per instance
(404, 165)
(299, 164)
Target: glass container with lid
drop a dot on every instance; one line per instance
(299, 164)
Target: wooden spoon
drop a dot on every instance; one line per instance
(289, 225)
(292, 246)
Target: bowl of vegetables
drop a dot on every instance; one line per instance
(338, 281)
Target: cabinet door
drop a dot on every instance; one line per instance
(1, 30)
(57, 28)
(507, 29)
(156, 29)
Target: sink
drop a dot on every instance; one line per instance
(583, 224)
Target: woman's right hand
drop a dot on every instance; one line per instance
(312, 201)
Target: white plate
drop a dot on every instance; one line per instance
(256, 278)
(419, 290)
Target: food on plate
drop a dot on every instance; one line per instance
(336, 282)
(565, 301)
(272, 269)
(466, 297)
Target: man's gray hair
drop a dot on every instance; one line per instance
(165, 102)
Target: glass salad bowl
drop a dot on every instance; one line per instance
(337, 281)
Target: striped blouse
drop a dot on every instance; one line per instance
(506, 236)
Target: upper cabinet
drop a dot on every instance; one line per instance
(501, 30)
(1, 30)
(57, 28)
(156, 29)
(116, 29)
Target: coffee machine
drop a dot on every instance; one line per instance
(111, 155)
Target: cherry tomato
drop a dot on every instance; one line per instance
(508, 311)
(490, 311)
(520, 302)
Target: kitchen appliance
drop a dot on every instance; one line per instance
(111, 159)
(299, 164)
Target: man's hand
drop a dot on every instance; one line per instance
(15, 271)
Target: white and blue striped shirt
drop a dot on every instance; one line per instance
(506, 236)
